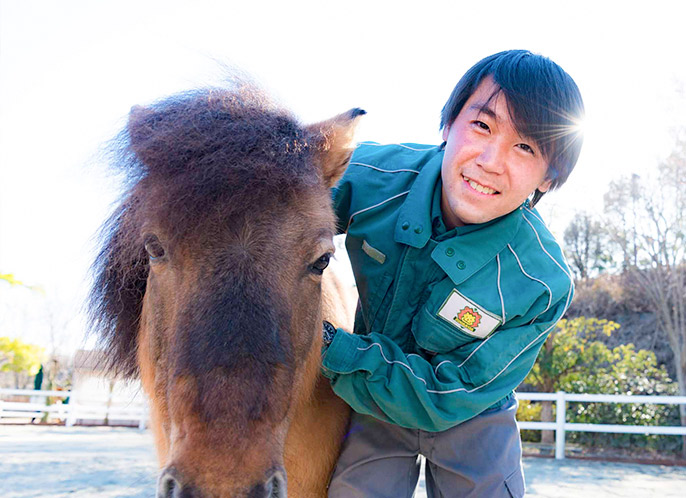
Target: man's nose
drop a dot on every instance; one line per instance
(492, 158)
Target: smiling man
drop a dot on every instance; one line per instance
(489, 169)
(460, 283)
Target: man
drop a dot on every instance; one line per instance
(460, 282)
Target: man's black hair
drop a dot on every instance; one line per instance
(543, 101)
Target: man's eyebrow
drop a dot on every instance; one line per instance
(484, 109)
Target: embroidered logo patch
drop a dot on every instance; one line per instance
(468, 316)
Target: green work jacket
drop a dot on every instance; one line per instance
(448, 323)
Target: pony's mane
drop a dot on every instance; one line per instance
(220, 151)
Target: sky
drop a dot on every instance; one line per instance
(70, 71)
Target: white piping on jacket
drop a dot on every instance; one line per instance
(550, 292)
(374, 206)
(534, 214)
(399, 145)
(500, 291)
(385, 170)
(571, 280)
(391, 362)
(539, 219)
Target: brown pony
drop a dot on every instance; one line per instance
(209, 286)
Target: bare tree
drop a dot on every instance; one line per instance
(623, 217)
(586, 246)
(649, 227)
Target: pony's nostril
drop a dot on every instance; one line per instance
(278, 485)
(273, 487)
(168, 485)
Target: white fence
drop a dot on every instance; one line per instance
(561, 427)
(99, 411)
(70, 412)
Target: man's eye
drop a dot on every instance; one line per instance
(527, 148)
(481, 125)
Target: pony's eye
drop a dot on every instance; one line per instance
(320, 265)
(154, 247)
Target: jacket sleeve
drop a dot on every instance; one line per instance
(375, 377)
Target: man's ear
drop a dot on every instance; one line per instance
(545, 185)
(540, 190)
(334, 143)
(446, 132)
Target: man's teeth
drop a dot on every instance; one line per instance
(480, 188)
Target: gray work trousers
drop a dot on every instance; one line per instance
(480, 458)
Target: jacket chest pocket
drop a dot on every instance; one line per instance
(441, 324)
(434, 335)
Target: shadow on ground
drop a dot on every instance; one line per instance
(118, 462)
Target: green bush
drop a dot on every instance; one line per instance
(574, 361)
(629, 372)
(529, 412)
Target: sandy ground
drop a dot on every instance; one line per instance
(81, 462)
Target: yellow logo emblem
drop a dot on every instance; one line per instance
(468, 317)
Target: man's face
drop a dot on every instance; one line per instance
(488, 168)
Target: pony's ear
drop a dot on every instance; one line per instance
(335, 143)
(138, 120)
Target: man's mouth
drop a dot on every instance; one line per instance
(480, 188)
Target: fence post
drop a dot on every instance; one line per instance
(561, 408)
(144, 417)
(46, 413)
(71, 412)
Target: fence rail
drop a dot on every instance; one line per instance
(70, 412)
(561, 426)
(76, 410)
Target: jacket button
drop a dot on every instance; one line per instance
(461, 265)
(450, 252)
(418, 229)
(405, 225)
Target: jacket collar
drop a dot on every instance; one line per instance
(467, 252)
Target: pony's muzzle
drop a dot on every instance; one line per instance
(170, 485)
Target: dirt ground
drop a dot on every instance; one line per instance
(51, 461)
